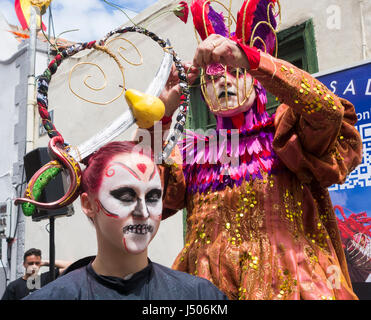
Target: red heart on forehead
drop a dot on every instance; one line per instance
(142, 167)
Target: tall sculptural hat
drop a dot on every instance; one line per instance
(254, 27)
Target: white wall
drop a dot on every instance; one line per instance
(9, 78)
(8, 118)
(335, 47)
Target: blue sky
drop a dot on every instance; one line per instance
(93, 18)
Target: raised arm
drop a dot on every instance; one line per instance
(60, 264)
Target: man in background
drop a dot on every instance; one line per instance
(32, 280)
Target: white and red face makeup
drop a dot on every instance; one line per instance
(130, 202)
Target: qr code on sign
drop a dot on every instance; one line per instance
(360, 176)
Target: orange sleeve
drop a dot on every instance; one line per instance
(315, 134)
(174, 186)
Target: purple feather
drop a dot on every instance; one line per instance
(217, 20)
(263, 31)
(255, 137)
(218, 176)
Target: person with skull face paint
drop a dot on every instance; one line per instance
(264, 227)
(122, 196)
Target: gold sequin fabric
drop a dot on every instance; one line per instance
(277, 237)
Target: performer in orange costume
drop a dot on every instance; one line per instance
(263, 228)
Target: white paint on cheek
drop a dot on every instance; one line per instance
(115, 206)
(155, 211)
(118, 177)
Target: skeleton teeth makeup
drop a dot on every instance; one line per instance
(130, 200)
(138, 229)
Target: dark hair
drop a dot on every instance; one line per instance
(92, 175)
(31, 252)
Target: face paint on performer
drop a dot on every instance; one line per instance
(228, 92)
(130, 200)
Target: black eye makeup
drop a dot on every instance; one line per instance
(124, 194)
(127, 195)
(153, 196)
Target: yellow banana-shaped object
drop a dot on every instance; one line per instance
(146, 109)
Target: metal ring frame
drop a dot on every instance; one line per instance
(59, 149)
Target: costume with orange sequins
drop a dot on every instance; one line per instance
(264, 227)
(272, 234)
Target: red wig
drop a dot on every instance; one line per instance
(92, 175)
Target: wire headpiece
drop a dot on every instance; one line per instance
(66, 157)
(255, 26)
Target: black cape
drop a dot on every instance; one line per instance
(154, 282)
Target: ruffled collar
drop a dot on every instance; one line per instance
(227, 156)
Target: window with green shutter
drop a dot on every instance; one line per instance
(296, 45)
(199, 116)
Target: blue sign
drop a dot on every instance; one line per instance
(352, 200)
